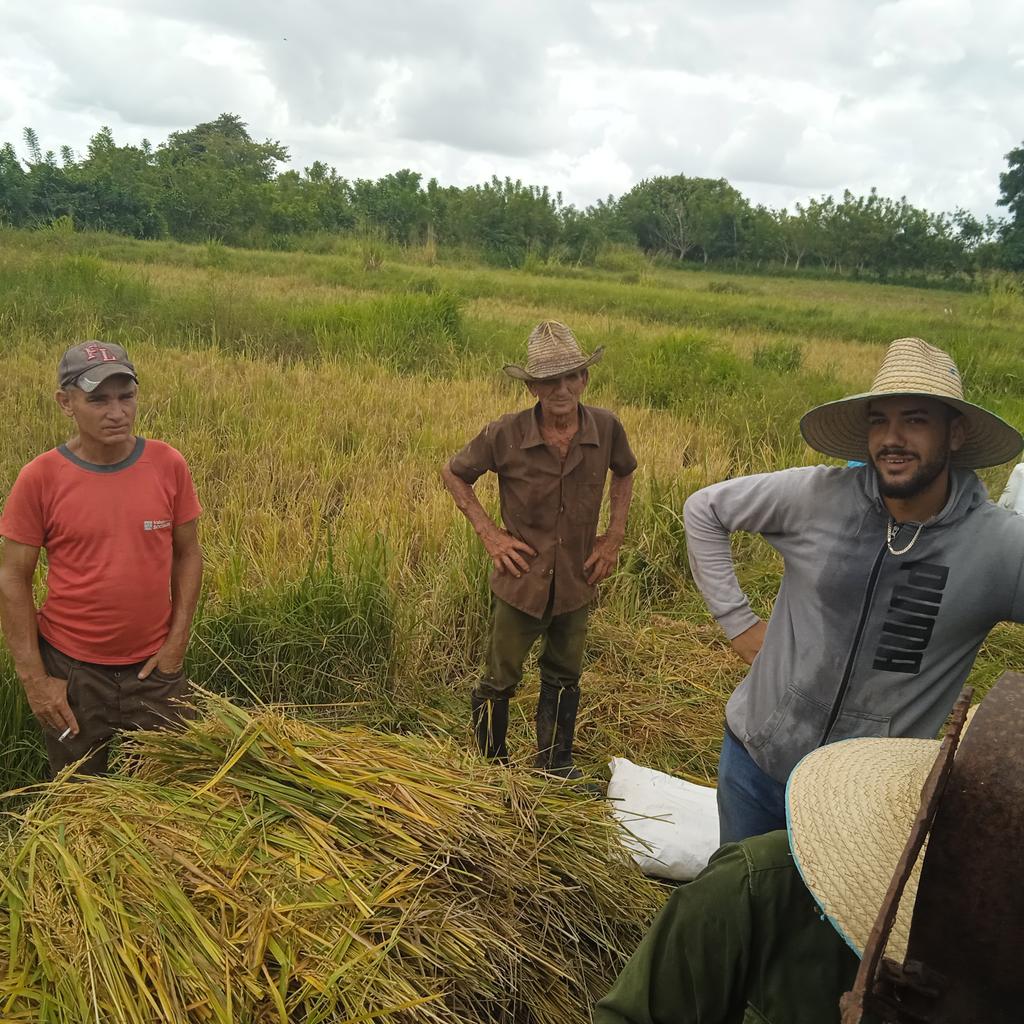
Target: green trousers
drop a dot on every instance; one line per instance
(513, 633)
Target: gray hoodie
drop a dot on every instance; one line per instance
(860, 642)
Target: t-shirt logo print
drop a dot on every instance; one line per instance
(156, 524)
(911, 619)
(100, 352)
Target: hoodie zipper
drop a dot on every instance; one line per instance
(865, 609)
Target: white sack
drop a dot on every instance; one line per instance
(1013, 496)
(673, 823)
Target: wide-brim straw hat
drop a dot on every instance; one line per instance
(850, 807)
(912, 367)
(552, 351)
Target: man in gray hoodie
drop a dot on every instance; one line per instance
(894, 574)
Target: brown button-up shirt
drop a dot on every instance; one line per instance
(550, 504)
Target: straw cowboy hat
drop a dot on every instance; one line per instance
(912, 367)
(552, 351)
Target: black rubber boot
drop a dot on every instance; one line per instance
(490, 726)
(556, 728)
(547, 714)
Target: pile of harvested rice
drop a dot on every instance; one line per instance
(256, 868)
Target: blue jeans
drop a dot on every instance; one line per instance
(750, 802)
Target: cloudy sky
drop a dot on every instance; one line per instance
(785, 99)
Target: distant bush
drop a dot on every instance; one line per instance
(678, 371)
(63, 296)
(727, 288)
(781, 356)
(216, 253)
(534, 262)
(410, 332)
(1002, 294)
(424, 285)
(372, 250)
(621, 258)
(63, 225)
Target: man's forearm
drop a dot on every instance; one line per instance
(186, 583)
(18, 614)
(467, 502)
(620, 495)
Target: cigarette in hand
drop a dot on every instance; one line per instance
(65, 734)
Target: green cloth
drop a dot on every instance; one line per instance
(744, 943)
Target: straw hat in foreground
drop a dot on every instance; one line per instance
(912, 367)
(552, 351)
(850, 808)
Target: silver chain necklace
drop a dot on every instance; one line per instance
(890, 532)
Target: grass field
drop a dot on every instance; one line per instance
(317, 396)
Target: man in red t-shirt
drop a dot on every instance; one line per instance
(117, 515)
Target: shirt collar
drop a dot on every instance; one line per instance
(587, 433)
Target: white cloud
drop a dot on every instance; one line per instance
(786, 100)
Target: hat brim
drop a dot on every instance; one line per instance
(839, 429)
(520, 374)
(89, 380)
(850, 807)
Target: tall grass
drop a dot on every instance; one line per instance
(316, 403)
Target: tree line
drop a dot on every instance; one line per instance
(215, 181)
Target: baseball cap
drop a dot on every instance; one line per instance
(89, 363)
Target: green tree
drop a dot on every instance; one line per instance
(979, 241)
(116, 188)
(1011, 195)
(504, 219)
(43, 192)
(216, 181)
(685, 216)
(760, 236)
(798, 233)
(581, 235)
(35, 154)
(213, 181)
(15, 189)
(316, 200)
(394, 204)
(226, 144)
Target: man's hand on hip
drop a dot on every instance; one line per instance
(509, 554)
(603, 559)
(48, 698)
(168, 660)
(749, 642)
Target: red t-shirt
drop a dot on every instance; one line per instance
(107, 531)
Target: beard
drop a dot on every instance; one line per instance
(927, 473)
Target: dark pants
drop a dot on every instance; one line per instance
(750, 802)
(108, 699)
(513, 633)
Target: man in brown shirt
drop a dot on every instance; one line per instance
(551, 461)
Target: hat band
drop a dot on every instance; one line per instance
(553, 367)
(916, 386)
